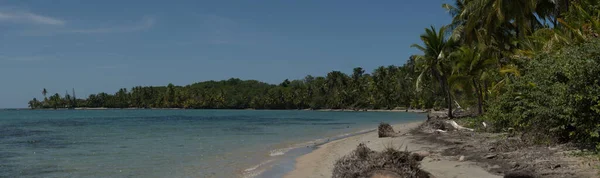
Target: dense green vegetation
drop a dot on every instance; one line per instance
(533, 65)
(529, 65)
(385, 88)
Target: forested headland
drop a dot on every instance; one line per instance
(527, 65)
(385, 88)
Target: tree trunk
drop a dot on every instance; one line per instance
(446, 88)
(483, 96)
(485, 91)
(479, 97)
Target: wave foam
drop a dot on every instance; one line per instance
(279, 152)
(255, 171)
(263, 166)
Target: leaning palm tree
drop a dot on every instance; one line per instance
(435, 60)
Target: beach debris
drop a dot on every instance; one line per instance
(514, 165)
(386, 130)
(461, 158)
(490, 156)
(364, 162)
(440, 131)
(458, 127)
(385, 174)
(519, 174)
(419, 155)
(435, 125)
(484, 124)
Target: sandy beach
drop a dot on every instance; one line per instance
(320, 162)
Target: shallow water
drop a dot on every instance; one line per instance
(164, 143)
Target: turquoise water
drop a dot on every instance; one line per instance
(165, 143)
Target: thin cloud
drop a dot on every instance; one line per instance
(146, 23)
(26, 58)
(15, 16)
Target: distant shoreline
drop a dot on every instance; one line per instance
(321, 110)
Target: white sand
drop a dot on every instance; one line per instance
(319, 163)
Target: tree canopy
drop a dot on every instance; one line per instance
(385, 88)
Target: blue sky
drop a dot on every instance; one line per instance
(101, 46)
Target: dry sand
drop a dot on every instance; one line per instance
(320, 162)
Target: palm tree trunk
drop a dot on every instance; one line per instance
(448, 95)
(479, 97)
(445, 90)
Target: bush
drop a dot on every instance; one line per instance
(557, 96)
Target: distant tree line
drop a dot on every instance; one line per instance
(385, 88)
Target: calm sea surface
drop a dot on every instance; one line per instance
(165, 143)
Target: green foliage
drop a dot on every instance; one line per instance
(558, 94)
(386, 88)
(435, 61)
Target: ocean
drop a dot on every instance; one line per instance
(170, 143)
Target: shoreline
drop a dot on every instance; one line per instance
(320, 110)
(281, 166)
(289, 162)
(285, 163)
(320, 162)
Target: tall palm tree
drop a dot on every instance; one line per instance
(552, 10)
(457, 25)
(33, 104)
(435, 60)
(44, 92)
(469, 69)
(491, 14)
(501, 19)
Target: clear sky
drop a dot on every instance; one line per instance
(101, 46)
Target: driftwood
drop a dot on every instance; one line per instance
(363, 163)
(458, 127)
(440, 131)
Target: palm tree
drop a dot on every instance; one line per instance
(44, 92)
(502, 19)
(469, 69)
(357, 91)
(33, 103)
(55, 101)
(435, 60)
(552, 10)
(458, 19)
(490, 14)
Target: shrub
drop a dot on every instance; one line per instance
(557, 96)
